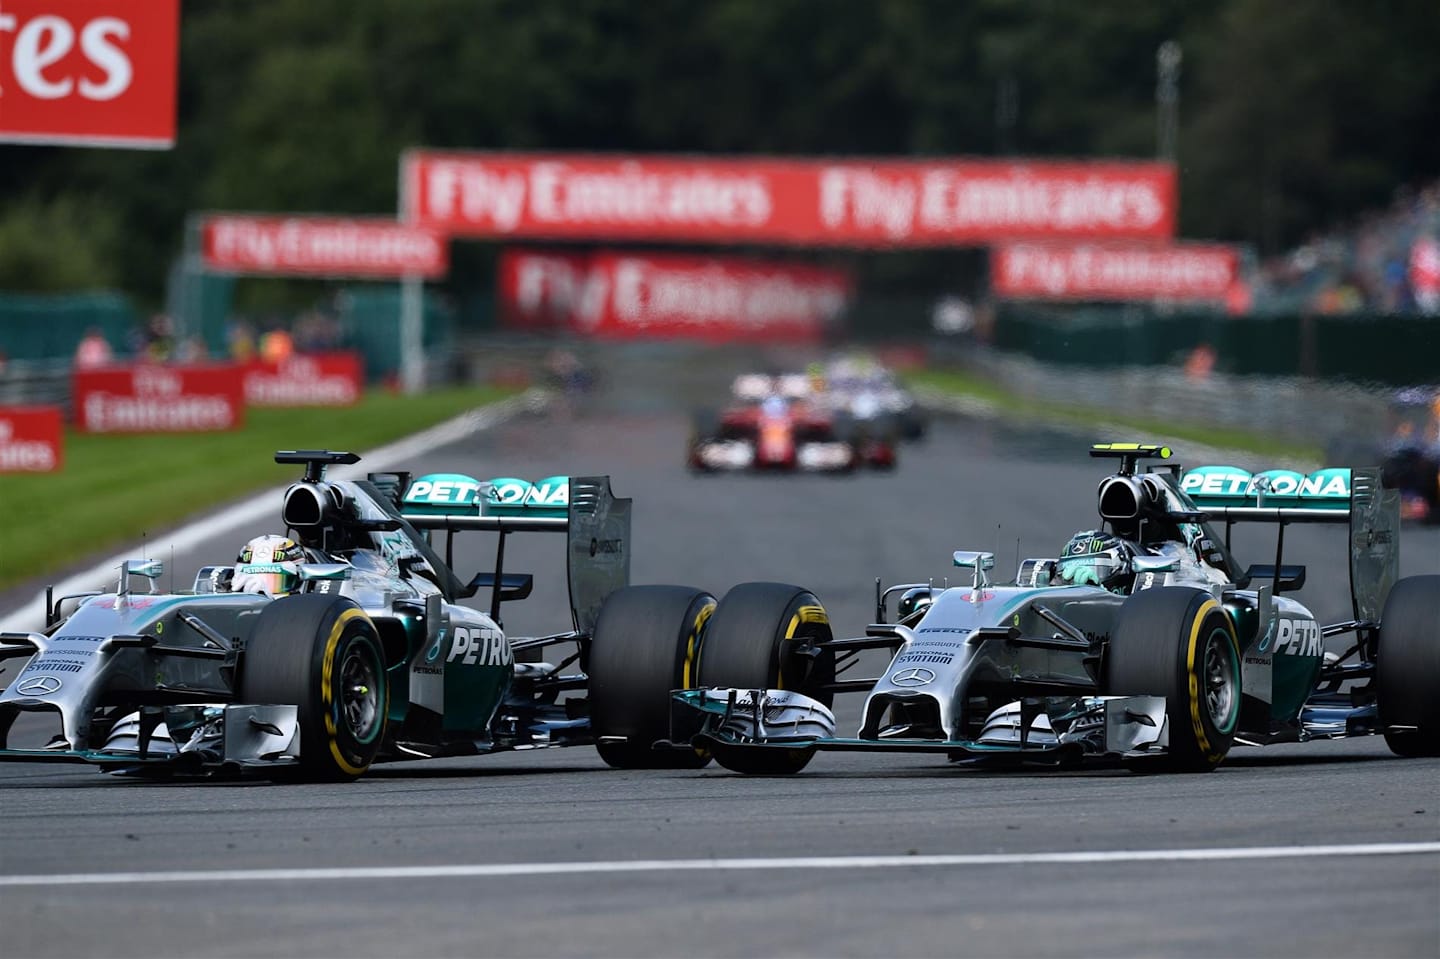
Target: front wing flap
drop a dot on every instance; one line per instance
(198, 737)
(1056, 728)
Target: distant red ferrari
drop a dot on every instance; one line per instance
(786, 436)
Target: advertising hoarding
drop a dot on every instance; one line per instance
(804, 202)
(98, 73)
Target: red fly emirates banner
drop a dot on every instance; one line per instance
(316, 379)
(320, 246)
(159, 399)
(621, 296)
(808, 202)
(89, 72)
(31, 439)
(1103, 272)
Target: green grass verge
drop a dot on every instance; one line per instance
(114, 488)
(968, 384)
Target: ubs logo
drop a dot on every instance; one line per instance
(914, 676)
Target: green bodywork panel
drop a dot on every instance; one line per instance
(1292, 681)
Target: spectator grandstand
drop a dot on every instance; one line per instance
(1384, 264)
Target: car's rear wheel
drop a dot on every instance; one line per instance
(1177, 642)
(321, 654)
(646, 642)
(1407, 667)
(760, 637)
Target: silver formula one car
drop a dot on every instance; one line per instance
(1144, 644)
(360, 650)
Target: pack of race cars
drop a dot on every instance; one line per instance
(834, 418)
(1144, 643)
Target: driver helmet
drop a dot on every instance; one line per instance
(1096, 558)
(266, 565)
(913, 600)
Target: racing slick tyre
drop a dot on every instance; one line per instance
(1407, 667)
(645, 645)
(757, 639)
(844, 429)
(321, 653)
(704, 428)
(1177, 642)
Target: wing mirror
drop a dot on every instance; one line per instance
(151, 569)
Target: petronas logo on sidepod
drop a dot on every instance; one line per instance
(434, 652)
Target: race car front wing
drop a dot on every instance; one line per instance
(1042, 729)
(203, 737)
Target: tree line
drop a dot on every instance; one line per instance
(1292, 117)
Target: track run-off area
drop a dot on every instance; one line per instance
(1315, 849)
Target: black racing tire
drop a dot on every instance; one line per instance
(1178, 642)
(845, 428)
(704, 428)
(771, 761)
(1407, 667)
(914, 425)
(751, 639)
(646, 642)
(322, 654)
(750, 643)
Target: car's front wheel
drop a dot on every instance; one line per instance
(321, 654)
(1177, 642)
(761, 637)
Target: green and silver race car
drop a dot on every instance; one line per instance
(360, 649)
(1145, 643)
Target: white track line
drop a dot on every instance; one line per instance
(102, 576)
(710, 865)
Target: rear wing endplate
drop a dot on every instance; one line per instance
(1335, 495)
(595, 521)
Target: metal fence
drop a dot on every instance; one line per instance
(35, 383)
(1303, 409)
(1360, 349)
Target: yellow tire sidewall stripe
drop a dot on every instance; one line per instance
(327, 670)
(806, 615)
(688, 670)
(1197, 723)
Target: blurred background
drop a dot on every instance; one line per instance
(1287, 292)
(1303, 133)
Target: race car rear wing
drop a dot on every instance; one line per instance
(596, 522)
(1332, 495)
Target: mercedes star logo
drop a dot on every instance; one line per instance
(38, 686)
(914, 676)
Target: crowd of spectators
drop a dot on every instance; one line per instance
(245, 340)
(1388, 263)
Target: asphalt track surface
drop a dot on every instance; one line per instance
(1317, 849)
